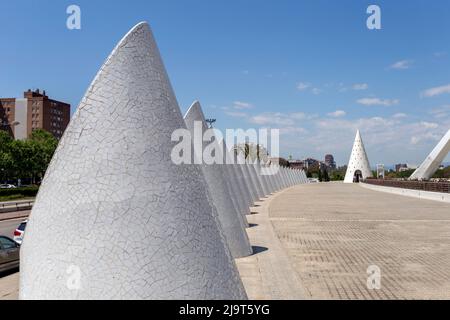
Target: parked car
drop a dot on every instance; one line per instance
(7, 186)
(19, 232)
(313, 180)
(9, 254)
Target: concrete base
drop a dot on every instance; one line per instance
(426, 195)
(269, 273)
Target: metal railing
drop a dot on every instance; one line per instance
(442, 187)
(16, 206)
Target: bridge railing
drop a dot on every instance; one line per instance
(442, 187)
(16, 206)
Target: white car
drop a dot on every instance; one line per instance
(19, 232)
(313, 180)
(7, 186)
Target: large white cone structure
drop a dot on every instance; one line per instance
(230, 218)
(434, 160)
(358, 166)
(256, 182)
(115, 218)
(236, 185)
(262, 179)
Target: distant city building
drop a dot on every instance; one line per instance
(400, 166)
(20, 117)
(297, 164)
(329, 161)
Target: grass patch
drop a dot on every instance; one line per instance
(18, 194)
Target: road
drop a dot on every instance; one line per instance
(9, 280)
(7, 227)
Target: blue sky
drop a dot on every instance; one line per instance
(310, 68)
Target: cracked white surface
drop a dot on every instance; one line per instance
(113, 204)
(230, 218)
(358, 161)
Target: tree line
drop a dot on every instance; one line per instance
(26, 160)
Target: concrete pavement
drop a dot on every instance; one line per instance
(334, 232)
(7, 227)
(317, 241)
(269, 273)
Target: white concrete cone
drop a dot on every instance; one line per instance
(290, 177)
(252, 178)
(358, 166)
(115, 217)
(262, 179)
(256, 180)
(230, 218)
(277, 172)
(248, 178)
(236, 187)
(283, 178)
(305, 177)
(245, 185)
(248, 197)
(286, 178)
(267, 178)
(271, 177)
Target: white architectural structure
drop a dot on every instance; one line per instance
(358, 166)
(231, 220)
(115, 218)
(434, 160)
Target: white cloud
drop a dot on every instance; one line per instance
(271, 118)
(378, 102)
(298, 116)
(337, 114)
(441, 112)
(293, 130)
(432, 92)
(440, 54)
(429, 125)
(399, 115)
(242, 105)
(236, 114)
(280, 119)
(360, 86)
(316, 91)
(402, 65)
(302, 86)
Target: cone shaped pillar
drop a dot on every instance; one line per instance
(229, 217)
(115, 218)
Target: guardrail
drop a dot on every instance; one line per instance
(16, 206)
(441, 187)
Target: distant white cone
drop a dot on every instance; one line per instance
(358, 166)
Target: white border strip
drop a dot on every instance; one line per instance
(426, 195)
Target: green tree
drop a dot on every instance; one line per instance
(326, 177)
(6, 161)
(28, 158)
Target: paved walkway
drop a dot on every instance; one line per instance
(9, 286)
(317, 241)
(333, 232)
(269, 273)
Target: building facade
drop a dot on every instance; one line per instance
(329, 161)
(20, 117)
